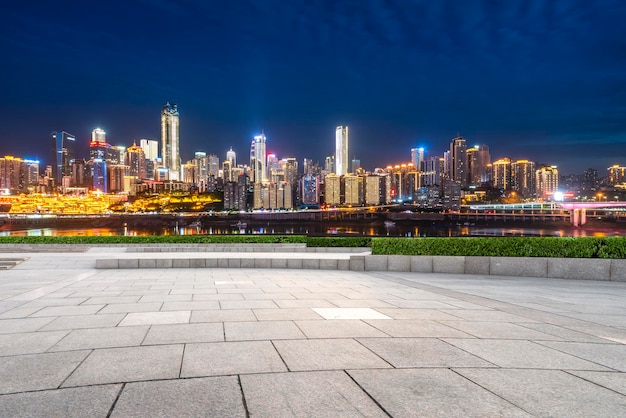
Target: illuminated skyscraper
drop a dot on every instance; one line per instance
(170, 140)
(63, 153)
(417, 156)
(150, 148)
(341, 151)
(232, 157)
(523, 178)
(546, 181)
(458, 161)
(135, 159)
(257, 159)
(502, 173)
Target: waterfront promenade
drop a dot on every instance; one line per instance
(236, 342)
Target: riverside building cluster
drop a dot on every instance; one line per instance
(462, 174)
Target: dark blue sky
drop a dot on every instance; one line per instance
(543, 80)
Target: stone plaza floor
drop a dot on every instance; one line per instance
(80, 341)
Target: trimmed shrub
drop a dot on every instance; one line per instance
(338, 242)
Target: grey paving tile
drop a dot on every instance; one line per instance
(487, 315)
(83, 321)
(312, 303)
(522, 354)
(321, 394)
(228, 358)
(350, 313)
(230, 315)
(285, 314)
(91, 338)
(565, 334)
(9, 326)
(191, 306)
(263, 330)
(549, 392)
(248, 304)
(502, 330)
(100, 300)
(416, 328)
(131, 307)
(29, 343)
(327, 354)
(213, 396)
(155, 318)
(37, 371)
(116, 365)
(49, 302)
(184, 333)
(609, 355)
(93, 401)
(421, 352)
(164, 298)
(17, 313)
(432, 393)
(610, 380)
(211, 296)
(338, 328)
(68, 310)
(431, 314)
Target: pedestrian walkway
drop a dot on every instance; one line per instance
(80, 341)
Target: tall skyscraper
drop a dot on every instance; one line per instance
(546, 181)
(135, 159)
(502, 173)
(63, 152)
(150, 148)
(170, 140)
(342, 158)
(523, 178)
(232, 157)
(258, 159)
(417, 156)
(458, 161)
(99, 149)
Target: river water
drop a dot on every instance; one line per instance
(329, 229)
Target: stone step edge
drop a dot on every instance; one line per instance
(542, 267)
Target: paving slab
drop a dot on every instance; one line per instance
(230, 358)
(113, 365)
(214, 396)
(93, 401)
(261, 330)
(29, 343)
(82, 339)
(432, 393)
(311, 394)
(549, 392)
(184, 333)
(609, 355)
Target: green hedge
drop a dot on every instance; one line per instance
(567, 247)
(339, 242)
(158, 239)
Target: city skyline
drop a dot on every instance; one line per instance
(542, 81)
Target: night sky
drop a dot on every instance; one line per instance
(542, 80)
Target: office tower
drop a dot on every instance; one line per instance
(310, 186)
(617, 174)
(417, 156)
(99, 149)
(32, 172)
(227, 171)
(484, 162)
(523, 178)
(332, 189)
(329, 164)
(170, 152)
(12, 174)
(257, 159)
(150, 148)
(546, 181)
(201, 164)
(341, 150)
(502, 173)
(353, 189)
(63, 152)
(232, 157)
(98, 135)
(213, 166)
(356, 165)
(271, 166)
(432, 171)
(290, 169)
(590, 180)
(458, 161)
(135, 159)
(100, 178)
(473, 167)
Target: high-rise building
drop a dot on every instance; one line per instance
(310, 186)
(213, 166)
(63, 152)
(341, 151)
(135, 159)
(232, 157)
(502, 173)
(329, 164)
(523, 178)
(617, 174)
(417, 156)
(99, 149)
(170, 141)
(432, 171)
(258, 159)
(13, 173)
(546, 181)
(332, 189)
(150, 148)
(458, 161)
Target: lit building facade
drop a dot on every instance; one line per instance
(258, 155)
(523, 178)
(353, 189)
(310, 186)
(502, 173)
(341, 151)
(170, 140)
(417, 157)
(63, 152)
(546, 181)
(136, 161)
(332, 189)
(617, 174)
(150, 148)
(458, 161)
